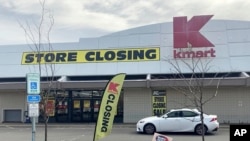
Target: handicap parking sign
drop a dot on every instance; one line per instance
(33, 83)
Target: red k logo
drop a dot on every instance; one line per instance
(113, 87)
(187, 32)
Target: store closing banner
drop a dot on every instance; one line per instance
(108, 107)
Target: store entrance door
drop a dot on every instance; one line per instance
(85, 110)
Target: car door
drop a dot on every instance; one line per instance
(170, 122)
(187, 121)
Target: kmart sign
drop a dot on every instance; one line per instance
(188, 41)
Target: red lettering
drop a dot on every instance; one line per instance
(194, 54)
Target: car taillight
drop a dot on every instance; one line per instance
(213, 119)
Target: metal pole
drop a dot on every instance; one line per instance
(33, 128)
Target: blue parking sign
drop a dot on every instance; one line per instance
(33, 83)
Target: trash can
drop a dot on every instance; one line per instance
(27, 118)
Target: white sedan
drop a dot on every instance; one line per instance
(178, 120)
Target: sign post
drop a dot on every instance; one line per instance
(33, 98)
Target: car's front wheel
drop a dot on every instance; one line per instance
(198, 129)
(149, 129)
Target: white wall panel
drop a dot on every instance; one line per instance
(167, 40)
(83, 69)
(166, 53)
(129, 41)
(238, 36)
(233, 24)
(149, 67)
(221, 51)
(148, 40)
(167, 28)
(165, 67)
(87, 43)
(154, 28)
(220, 65)
(15, 70)
(106, 68)
(14, 48)
(241, 63)
(215, 37)
(128, 67)
(107, 42)
(59, 69)
(10, 58)
(214, 25)
(239, 49)
(65, 46)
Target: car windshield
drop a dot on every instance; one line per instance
(165, 114)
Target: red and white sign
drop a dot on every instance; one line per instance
(187, 36)
(160, 137)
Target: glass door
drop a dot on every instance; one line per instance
(85, 105)
(96, 106)
(86, 110)
(76, 110)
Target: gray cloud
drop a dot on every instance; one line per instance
(75, 19)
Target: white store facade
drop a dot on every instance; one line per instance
(82, 70)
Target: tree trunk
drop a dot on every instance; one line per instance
(202, 123)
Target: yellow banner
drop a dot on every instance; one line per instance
(108, 107)
(92, 56)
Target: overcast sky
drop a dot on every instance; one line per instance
(74, 19)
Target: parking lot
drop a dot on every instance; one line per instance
(85, 132)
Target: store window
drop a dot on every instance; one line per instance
(62, 108)
(86, 106)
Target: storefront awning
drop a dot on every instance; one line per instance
(131, 81)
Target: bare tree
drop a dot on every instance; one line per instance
(38, 39)
(193, 79)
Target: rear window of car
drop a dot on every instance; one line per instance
(189, 114)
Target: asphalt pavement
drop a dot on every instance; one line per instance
(85, 125)
(85, 131)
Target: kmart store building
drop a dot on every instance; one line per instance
(82, 69)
